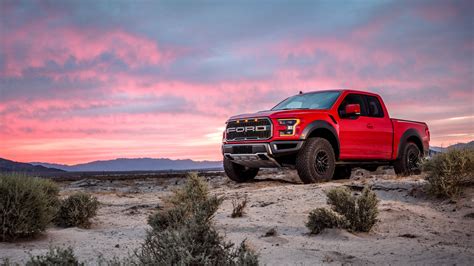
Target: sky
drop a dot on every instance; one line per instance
(95, 80)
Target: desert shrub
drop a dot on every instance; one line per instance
(357, 214)
(164, 219)
(55, 257)
(322, 218)
(192, 200)
(343, 202)
(27, 205)
(194, 243)
(238, 208)
(77, 210)
(184, 234)
(449, 172)
(367, 211)
(361, 211)
(51, 191)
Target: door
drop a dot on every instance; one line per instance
(355, 143)
(379, 129)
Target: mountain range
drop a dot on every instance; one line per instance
(468, 145)
(135, 164)
(140, 164)
(12, 166)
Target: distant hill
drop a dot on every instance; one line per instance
(136, 164)
(12, 166)
(469, 145)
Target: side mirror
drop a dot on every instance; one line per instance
(352, 109)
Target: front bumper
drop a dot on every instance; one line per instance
(261, 155)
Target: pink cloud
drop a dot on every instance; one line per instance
(37, 44)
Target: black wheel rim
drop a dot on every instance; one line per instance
(413, 160)
(321, 164)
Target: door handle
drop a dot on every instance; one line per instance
(369, 125)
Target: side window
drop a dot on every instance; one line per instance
(374, 107)
(353, 99)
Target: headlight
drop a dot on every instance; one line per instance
(290, 126)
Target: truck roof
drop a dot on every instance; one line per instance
(345, 90)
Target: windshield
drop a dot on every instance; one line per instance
(314, 100)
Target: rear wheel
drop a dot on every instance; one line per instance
(342, 172)
(409, 161)
(316, 161)
(239, 173)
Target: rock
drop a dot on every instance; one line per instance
(408, 235)
(85, 183)
(469, 215)
(271, 232)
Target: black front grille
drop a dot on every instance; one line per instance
(249, 129)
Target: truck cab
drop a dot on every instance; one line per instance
(323, 134)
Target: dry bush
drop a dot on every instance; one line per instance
(27, 205)
(55, 257)
(322, 218)
(238, 208)
(191, 200)
(449, 172)
(367, 211)
(357, 214)
(361, 211)
(77, 210)
(343, 202)
(184, 233)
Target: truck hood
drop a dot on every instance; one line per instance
(277, 113)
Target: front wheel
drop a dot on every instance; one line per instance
(316, 161)
(239, 173)
(409, 161)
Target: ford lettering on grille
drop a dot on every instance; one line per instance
(249, 129)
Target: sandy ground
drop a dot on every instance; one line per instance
(413, 229)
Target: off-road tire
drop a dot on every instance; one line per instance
(409, 160)
(316, 161)
(239, 173)
(342, 172)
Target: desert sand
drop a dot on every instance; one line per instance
(413, 228)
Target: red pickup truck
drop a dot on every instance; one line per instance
(323, 134)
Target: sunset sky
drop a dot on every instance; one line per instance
(91, 80)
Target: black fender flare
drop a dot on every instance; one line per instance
(318, 124)
(411, 132)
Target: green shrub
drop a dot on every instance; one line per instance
(184, 234)
(361, 211)
(343, 202)
(367, 211)
(163, 219)
(55, 257)
(191, 200)
(449, 172)
(77, 210)
(194, 243)
(322, 218)
(357, 214)
(27, 205)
